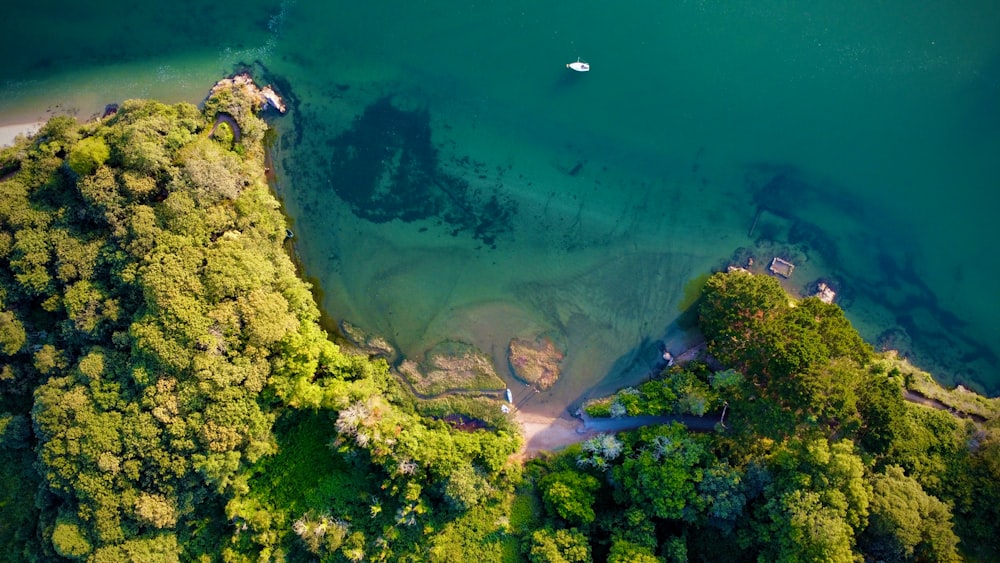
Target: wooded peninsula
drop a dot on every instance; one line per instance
(168, 394)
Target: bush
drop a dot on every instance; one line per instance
(88, 155)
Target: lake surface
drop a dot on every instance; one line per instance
(450, 179)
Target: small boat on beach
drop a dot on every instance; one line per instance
(580, 65)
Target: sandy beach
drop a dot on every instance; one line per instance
(548, 433)
(9, 132)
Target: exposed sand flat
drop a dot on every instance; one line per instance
(548, 433)
(9, 132)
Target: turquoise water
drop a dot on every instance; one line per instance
(449, 178)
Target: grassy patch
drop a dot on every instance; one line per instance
(480, 408)
(961, 399)
(599, 408)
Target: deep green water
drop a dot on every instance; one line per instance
(450, 179)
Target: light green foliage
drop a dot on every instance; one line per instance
(88, 155)
(694, 396)
(928, 442)
(213, 171)
(627, 552)
(906, 523)
(598, 452)
(12, 334)
(570, 495)
(726, 380)
(817, 502)
(558, 546)
(466, 487)
(191, 300)
(810, 530)
(69, 541)
(224, 135)
(161, 548)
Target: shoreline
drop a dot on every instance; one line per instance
(546, 433)
(9, 132)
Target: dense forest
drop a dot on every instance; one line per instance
(168, 395)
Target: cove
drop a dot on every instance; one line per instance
(449, 179)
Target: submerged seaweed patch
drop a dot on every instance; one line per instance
(386, 167)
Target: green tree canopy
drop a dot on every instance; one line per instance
(570, 495)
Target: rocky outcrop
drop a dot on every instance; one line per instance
(535, 361)
(370, 344)
(266, 95)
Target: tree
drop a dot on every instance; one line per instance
(806, 529)
(627, 552)
(466, 487)
(558, 546)
(881, 408)
(570, 495)
(88, 155)
(734, 309)
(68, 540)
(662, 471)
(906, 523)
(817, 501)
(721, 495)
(12, 334)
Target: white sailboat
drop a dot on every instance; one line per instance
(580, 65)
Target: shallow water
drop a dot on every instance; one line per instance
(450, 179)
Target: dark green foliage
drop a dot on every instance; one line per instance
(817, 501)
(979, 518)
(722, 495)
(662, 471)
(752, 325)
(881, 408)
